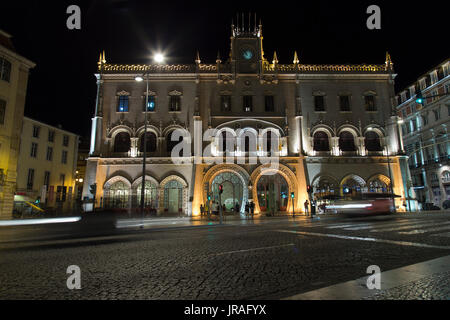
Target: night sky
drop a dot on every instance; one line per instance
(62, 88)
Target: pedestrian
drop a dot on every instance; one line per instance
(201, 210)
(252, 208)
(246, 209)
(306, 207)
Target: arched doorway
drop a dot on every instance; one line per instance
(150, 195)
(233, 190)
(352, 185)
(117, 195)
(273, 193)
(173, 197)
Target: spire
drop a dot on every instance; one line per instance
(197, 59)
(218, 58)
(275, 59)
(260, 28)
(100, 59)
(388, 60)
(296, 61)
(104, 59)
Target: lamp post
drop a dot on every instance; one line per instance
(159, 58)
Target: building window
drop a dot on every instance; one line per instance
(346, 141)
(5, 69)
(369, 102)
(64, 157)
(344, 102)
(321, 142)
(66, 141)
(150, 104)
(319, 103)
(437, 114)
(175, 103)
(49, 153)
(269, 103)
(62, 178)
(47, 179)
(36, 130)
(422, 84)
(248, 103)
(51, 135)
(372, 141)
(225, 103)
(30, 179)
(2, 111)
(122, 142)
(34, 147)
(425, 119)
(150, 142)
(123, 104)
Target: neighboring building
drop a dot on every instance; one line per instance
(14, 70)
(47, 165)
(426, 133)
(337, 126)
(83, 155)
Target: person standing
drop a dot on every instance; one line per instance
(246, 209)
(252, 208)
(306, 207)
(202, 210)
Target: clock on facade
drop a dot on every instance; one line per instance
(247, 54)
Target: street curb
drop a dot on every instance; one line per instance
(357, 289)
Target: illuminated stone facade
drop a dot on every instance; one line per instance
(14, 70)
(336, 124)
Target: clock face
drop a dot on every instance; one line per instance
(247, 54)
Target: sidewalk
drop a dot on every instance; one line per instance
(429, 280)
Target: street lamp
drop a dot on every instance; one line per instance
(159, 58)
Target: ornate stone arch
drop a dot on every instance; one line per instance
(185, 195)
(316, 180)
(284, 171)
(322, 127)
(380, 177)
(150, 128)
(220, 168)
(355, 177)
(170, 128)
(350, 128)
(376, 128)
(119, 128)
(115, 179)
(138, 181)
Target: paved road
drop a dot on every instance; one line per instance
(264, 259)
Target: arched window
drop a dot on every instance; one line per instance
(226, 142)
(150, 141)
(321, 141)
(122, 142)
(346, 141)
(171, 144)
(117, 196)
(372, 141)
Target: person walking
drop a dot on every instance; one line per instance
(246, 209)
(252, 208)
(306, 207)
(202, 210)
